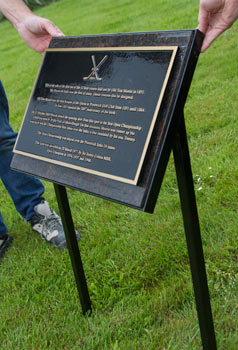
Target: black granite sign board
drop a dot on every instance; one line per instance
(104, 111)
(95, 110)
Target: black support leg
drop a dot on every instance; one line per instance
(73, 248)
(193, 237)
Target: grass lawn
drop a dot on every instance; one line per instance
(136, 264)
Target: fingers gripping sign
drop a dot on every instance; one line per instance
(37, 32)
(215, 16)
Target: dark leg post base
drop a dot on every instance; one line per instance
(73, 248)
(193, 237)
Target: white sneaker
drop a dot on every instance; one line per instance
(49, 225)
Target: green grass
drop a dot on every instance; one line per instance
(136, 264)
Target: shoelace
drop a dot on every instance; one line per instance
(49, 224)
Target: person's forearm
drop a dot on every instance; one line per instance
(14, 10)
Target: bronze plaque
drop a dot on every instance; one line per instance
(95, 109)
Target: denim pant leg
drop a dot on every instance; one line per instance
(3, 228)
(25, 191)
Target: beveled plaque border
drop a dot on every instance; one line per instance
(134, 181)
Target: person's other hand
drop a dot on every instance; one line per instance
(215, 16)
(37, 32)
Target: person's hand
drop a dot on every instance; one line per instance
(37, 32)
(215, 16)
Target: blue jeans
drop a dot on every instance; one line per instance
(25, 191)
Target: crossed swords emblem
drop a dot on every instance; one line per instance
(94, 74)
